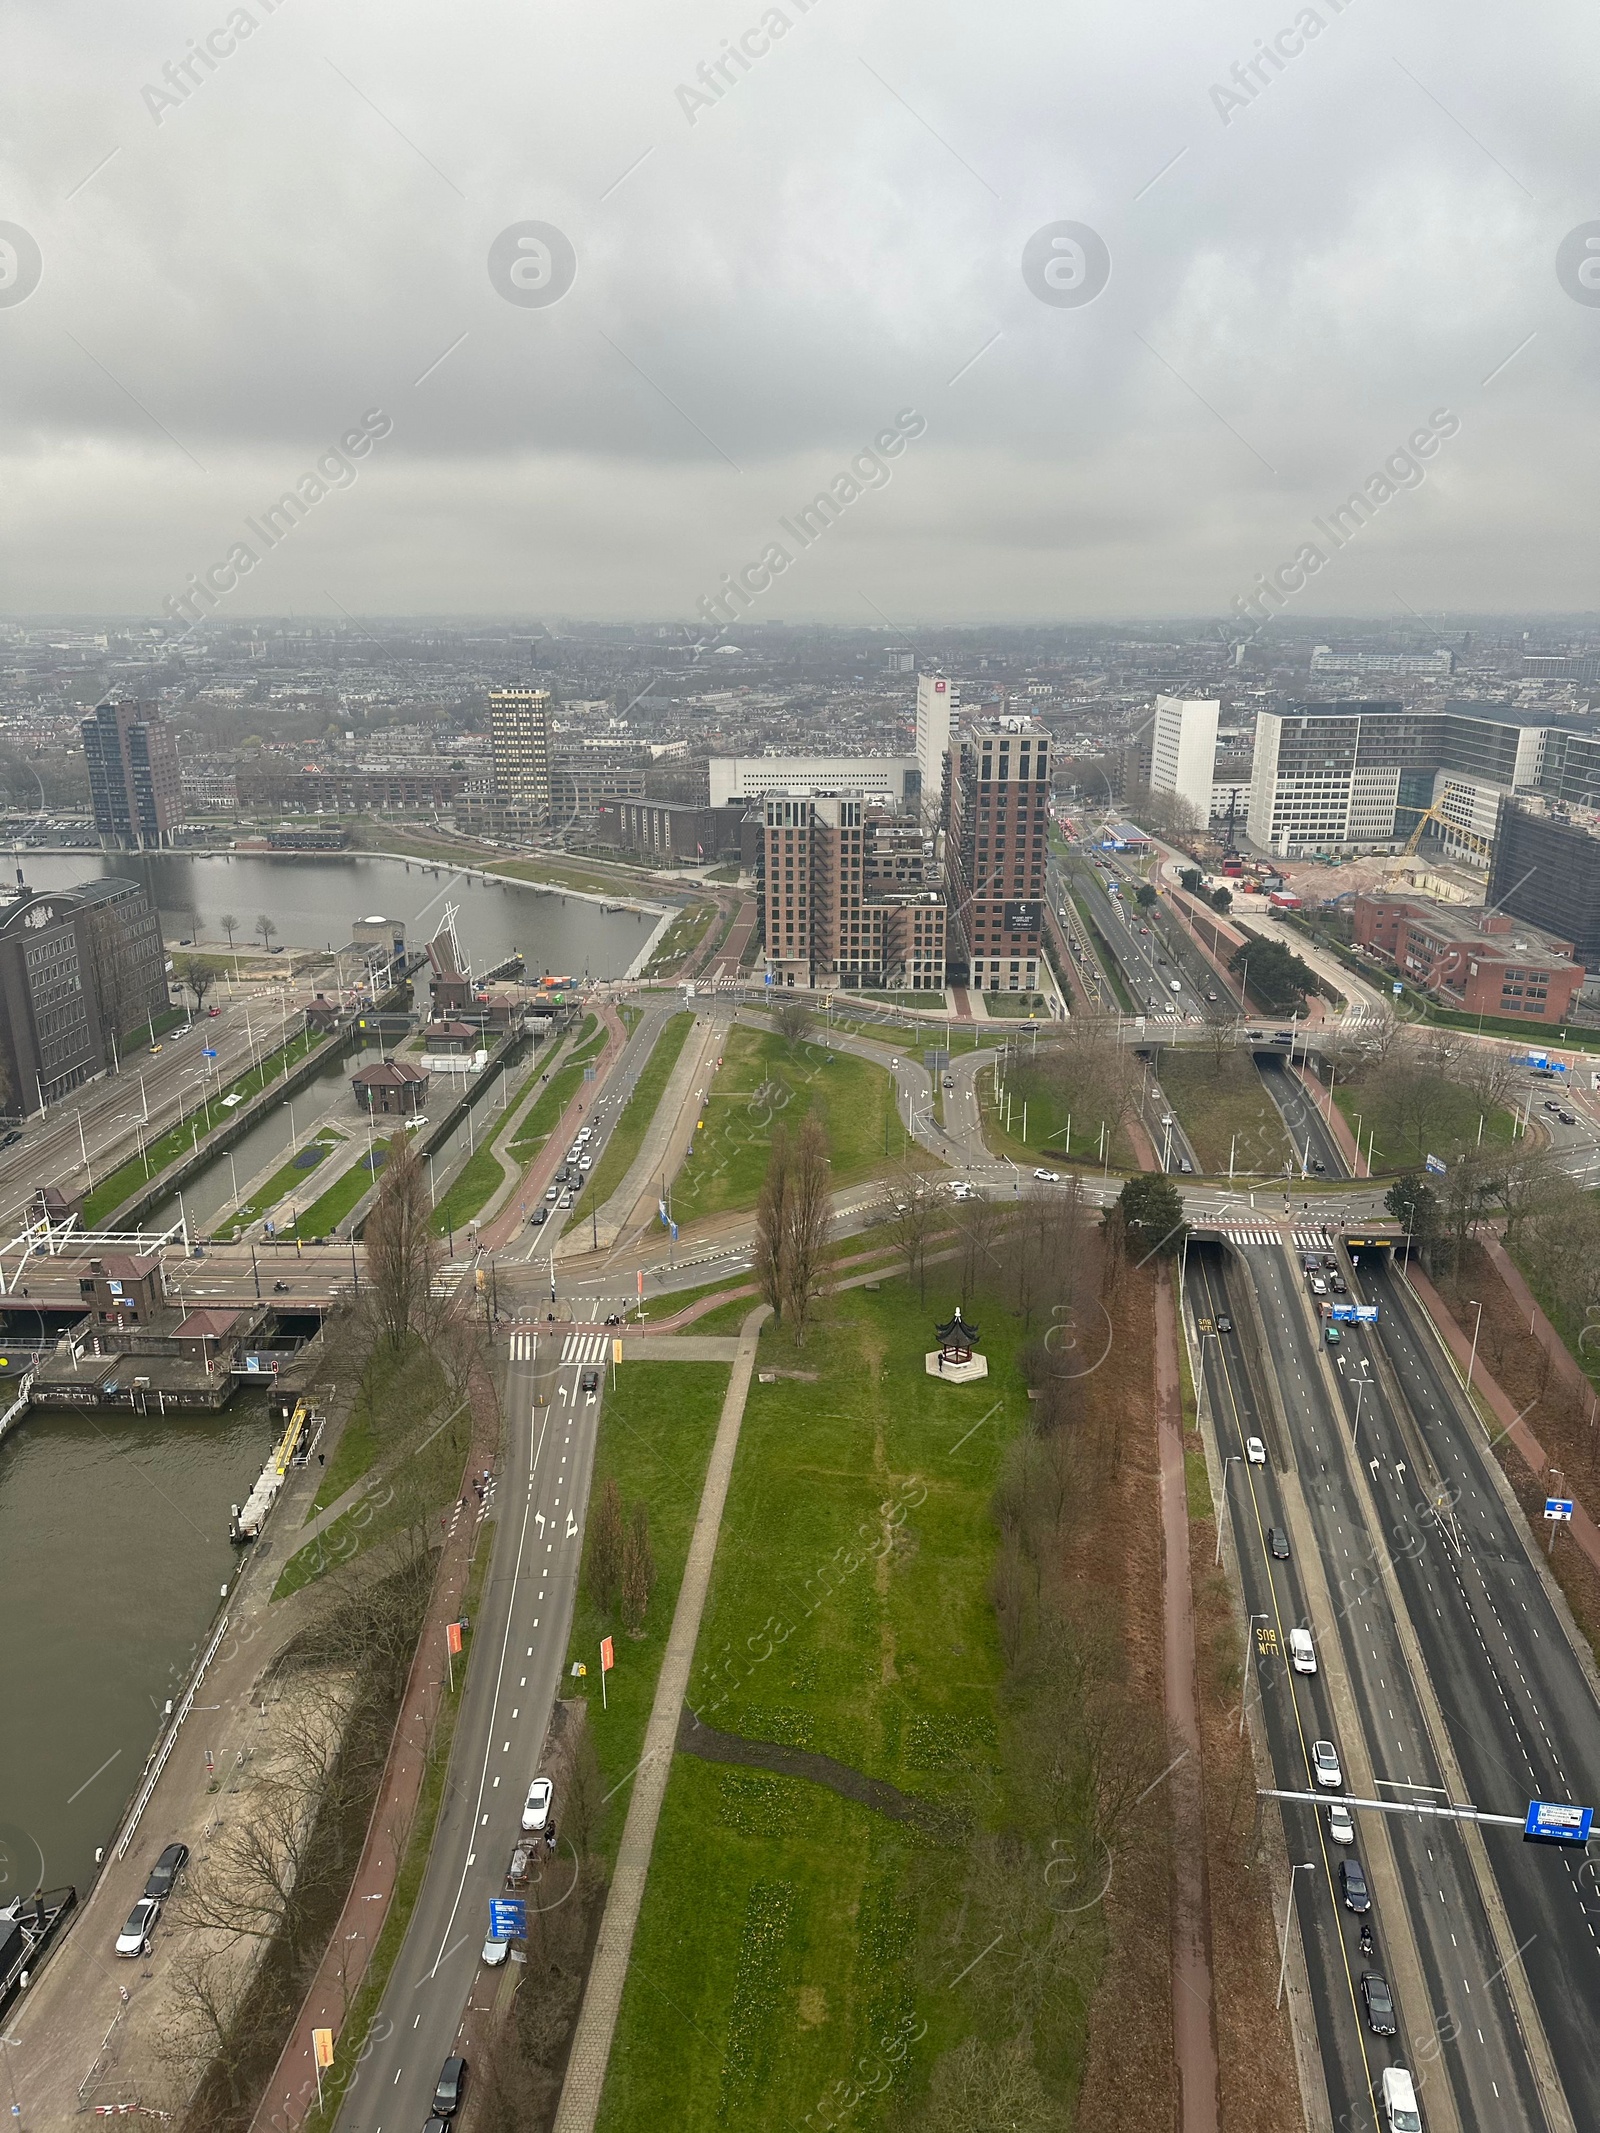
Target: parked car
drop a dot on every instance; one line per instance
(1341, 1826)
(134, 1938)
(1379, 2003)
(1278, 1544)
(536, 1807)
(1325, 1765)
(495, 1952)
(1353, 1887)
(166, 1871)
(1255, 1451)
(452, 2087)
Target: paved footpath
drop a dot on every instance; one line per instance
(602, 1999)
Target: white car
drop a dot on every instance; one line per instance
(586, 1162)
(565, 1200)
(135, 1935)
(536, 1807)
(1325, 1765)
(1050, 1177)
(495, 1952)
(1340, 1826)
(1255, 1451)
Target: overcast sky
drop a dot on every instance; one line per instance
(232, 272)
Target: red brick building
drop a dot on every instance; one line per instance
(1479, 961)
(393, 1088)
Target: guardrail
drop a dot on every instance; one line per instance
(158, 1762)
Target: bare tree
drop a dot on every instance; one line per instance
(792, 1020)
(809, 1216)
(230, 926)
(200, 978)
(403, 1253)
(266, 929)
(772, 1218)
(585, 1806)
(638, 1571)
(914, 1208)
(607, 1545)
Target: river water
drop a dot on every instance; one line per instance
(113, 1552)
(315, 901)
(114, 1531)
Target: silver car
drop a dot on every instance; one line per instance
(134, 1939)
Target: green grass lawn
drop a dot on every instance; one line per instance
(392, 1385)
(121, 1184)
(1015, 1006)
(478, 1180)
(656, 1430)
(417, 845)
(627, 1136)
(1047, 1121)
(1223, 1106)
(324, 1215)
(540, 1122)
(787, 1931)
(1405, 1136)
(761, 1081)
(292, 1173)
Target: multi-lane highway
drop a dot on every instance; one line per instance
(1444, 1674)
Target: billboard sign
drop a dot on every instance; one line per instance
(1021, 918)
(1435, 1167)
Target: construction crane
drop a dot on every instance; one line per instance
(1481, 845)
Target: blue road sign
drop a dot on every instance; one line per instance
(209, 1052)
(508, 1918)
(1555, 1822)
(1435, 1167)
(1398, 988)
(1558, 1507)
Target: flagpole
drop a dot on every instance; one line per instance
(603, 1703)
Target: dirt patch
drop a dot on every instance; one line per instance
(811, 2007)
(711, 1746)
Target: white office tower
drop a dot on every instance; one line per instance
(935, 697)
(1183, 750)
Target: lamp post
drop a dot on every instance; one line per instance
(1473, 1357)
(1230, 1459)
(1302, 1866)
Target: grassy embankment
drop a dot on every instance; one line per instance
(763, 1081)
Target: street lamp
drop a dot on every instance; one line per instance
(1473, 1357)
(1303, 1866)
(1231, 1459)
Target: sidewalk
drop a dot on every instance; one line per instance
(673, 1120)
(1193, 2037)
(602, 1999)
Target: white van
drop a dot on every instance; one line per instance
(1302, 1652)
(1400, 2101)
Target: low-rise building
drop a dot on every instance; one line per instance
(1476, 959)
(392, 1088)
(672, 834)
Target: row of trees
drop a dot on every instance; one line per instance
(622, 1567)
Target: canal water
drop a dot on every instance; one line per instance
(114, 1531)
(113, 1552)
(315, 901)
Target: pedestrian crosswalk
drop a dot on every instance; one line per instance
(1303, 1240)
(1253, 1236)
(585, 1347)
(524, 1346)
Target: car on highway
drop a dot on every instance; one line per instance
(1341, 1826)
(536, 1807)
(166, 1871)
(1550, 1104)
(1566, 1118)
(590, 1382)
(1224, 1322)
(1255, 1451)
(1332, 1336)
(1318, 1286)
(1378, 2001)
(1049, 1177)
(1400, 2101)
(1325, 1765)
(565, 1200)
(538, 1218)
(949, 1081)
(11, 1139)
(554, 1193)
(585, 1163)
(452, 2087)
(1353, 1887)
(1186, 1166)
(1302, 1651)
(134, 1939)
(1336, 1282)
(1318, 1165)
(1211, 996)
(1277, 1544)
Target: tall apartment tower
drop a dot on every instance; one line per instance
(842, 910)
(935, 697)
(996, 848)
(1183, 751)
(134, 783)
(519, 741)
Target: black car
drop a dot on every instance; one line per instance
(1224, 1322)
(166, 1871)
(539, 1216)
(1566, 1118)
(1278, 1544)
(452, 2088)
(10, 1140)
(591, 1381)
(1353, 1887)
(1336, 1283)
(1379, 2003)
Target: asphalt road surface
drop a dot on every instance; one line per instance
(520, 1643)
